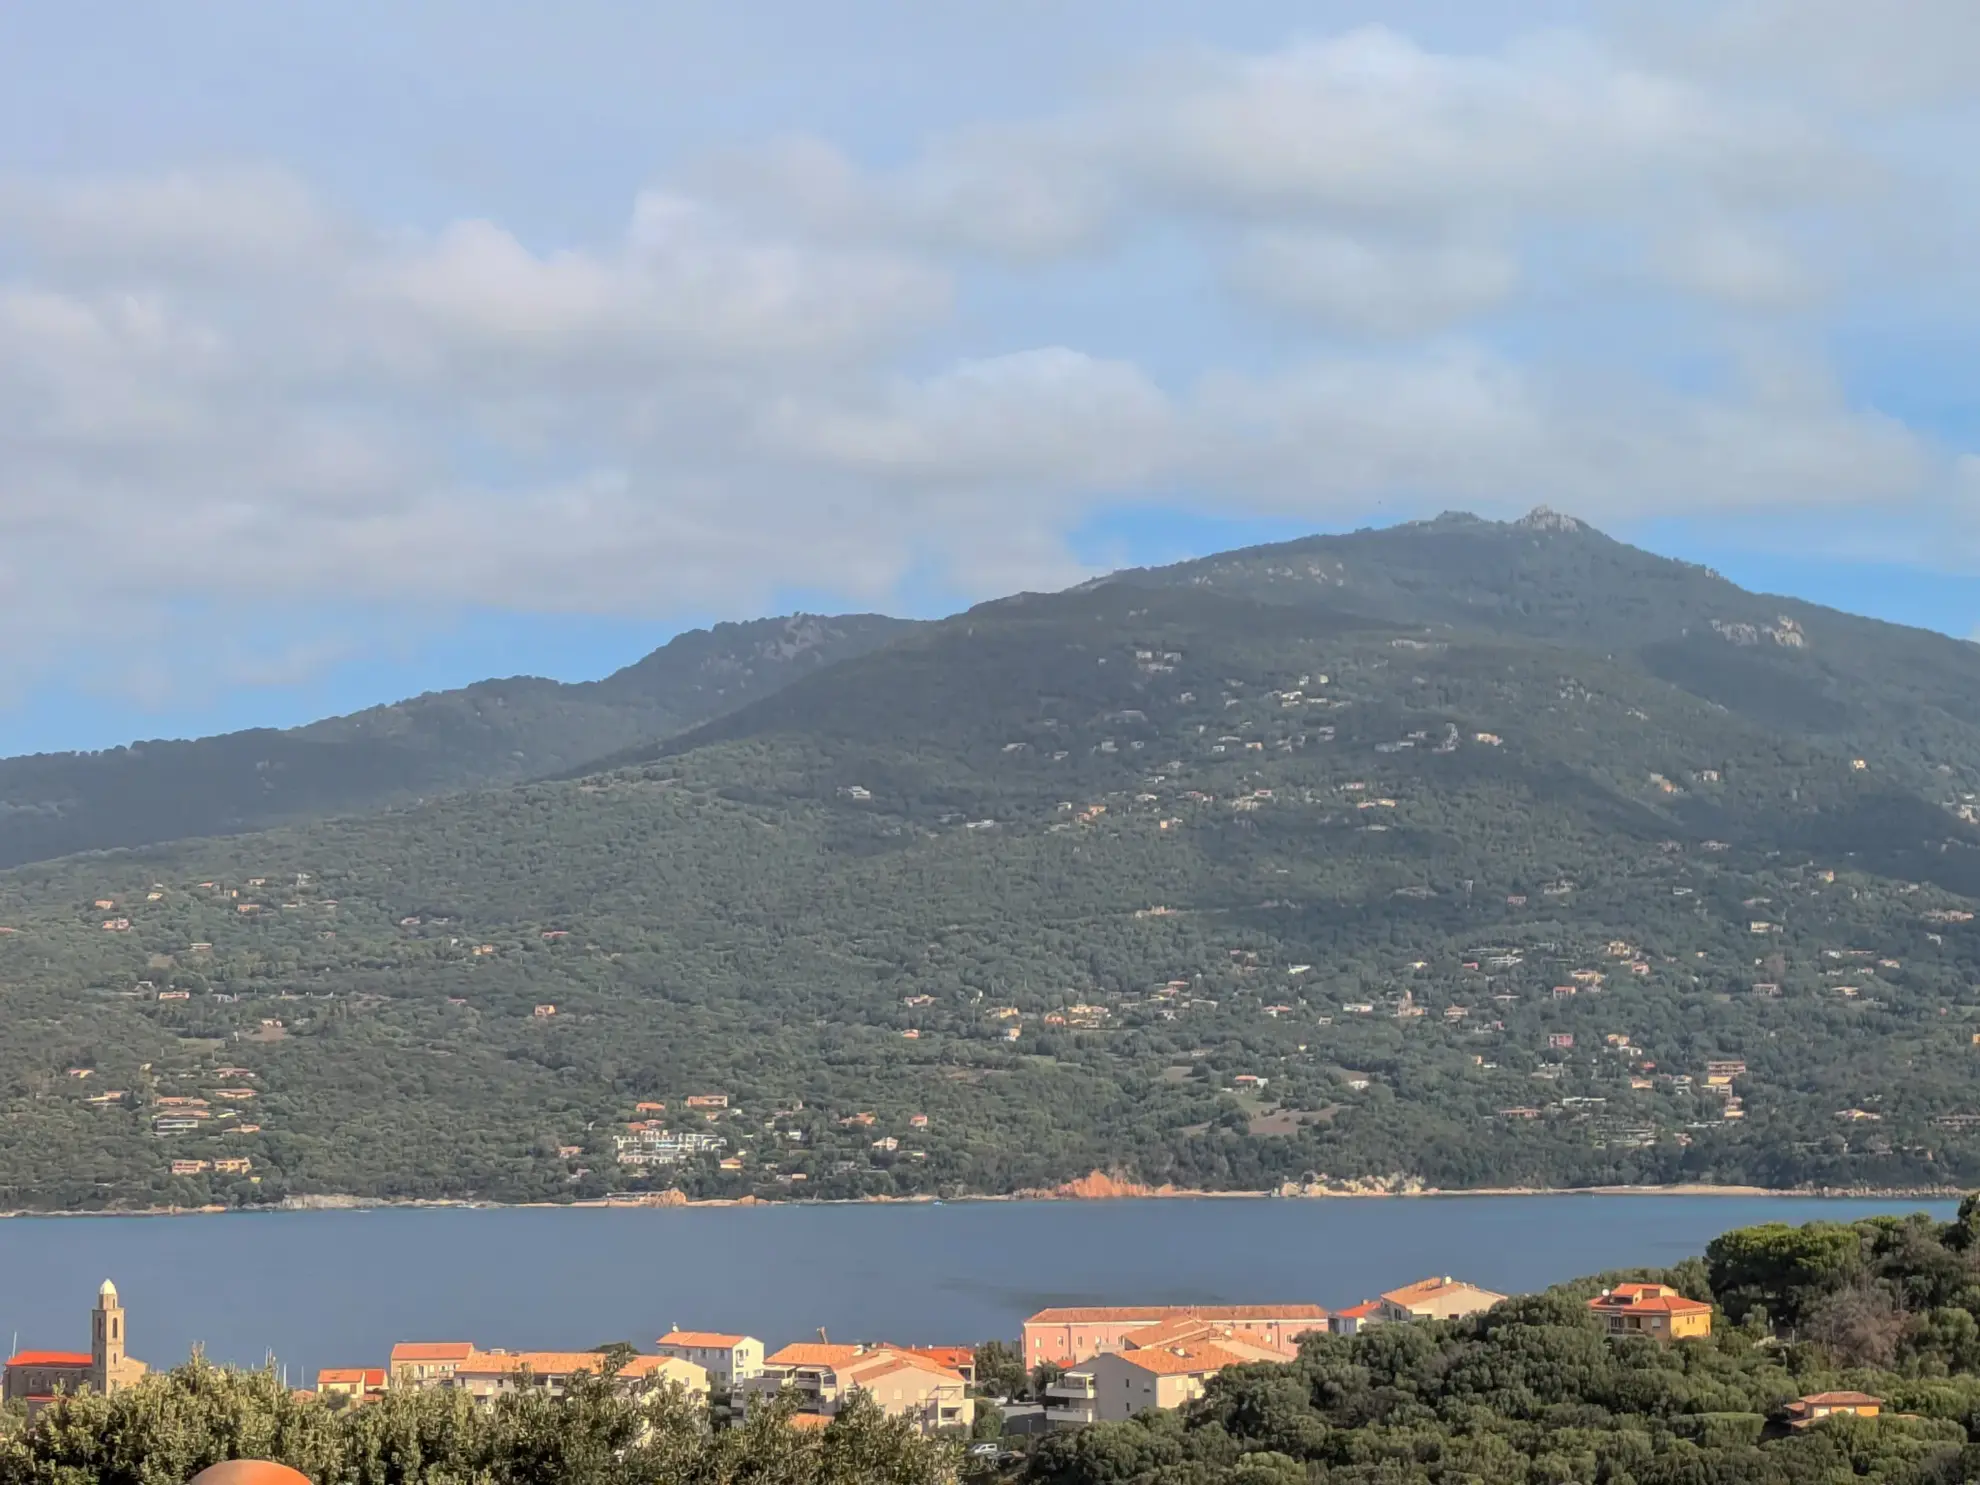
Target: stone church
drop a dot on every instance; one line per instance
(37, 1377)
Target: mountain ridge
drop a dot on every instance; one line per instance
(490, 732)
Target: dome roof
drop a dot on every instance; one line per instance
(249, 1472)
(106, 1290)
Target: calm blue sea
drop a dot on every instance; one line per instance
(339, 1288)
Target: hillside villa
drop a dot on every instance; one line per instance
(1804, 1411)
(1655, 1310)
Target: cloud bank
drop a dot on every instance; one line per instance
(1599, 271)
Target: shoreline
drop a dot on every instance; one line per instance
(345, 1203)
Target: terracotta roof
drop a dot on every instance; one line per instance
(810, 1421)
(814, 1353)
(1422, 1289)
(431, 1351)
(1170, 1333)
(1840, 1400)
(704, 1338)
(953, 1357)
(1361, 1311)
(1101, 1314)
(886, 1363)
(1648, 1299)
(51, 1358)
(362, 1376)
(1182, 1361)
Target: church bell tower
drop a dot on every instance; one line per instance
(106, 1341)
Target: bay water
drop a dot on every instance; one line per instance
(339, 1288)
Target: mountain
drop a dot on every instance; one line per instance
(490, 733)
(1314, 864)
(1783, 663)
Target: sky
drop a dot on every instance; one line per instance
(350, 350)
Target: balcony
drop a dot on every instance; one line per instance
(1071, 1402)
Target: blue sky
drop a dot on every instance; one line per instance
(351, 350)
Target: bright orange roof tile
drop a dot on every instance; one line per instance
(814, 1353)
(704, 1338)
(1182, 1361)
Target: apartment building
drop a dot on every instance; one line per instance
(728, 1359)
(904, 1385)
(1068, 1337)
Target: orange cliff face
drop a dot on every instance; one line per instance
(1102, 1186)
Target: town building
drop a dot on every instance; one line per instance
(1819, 1405)
(959, 1359)
(487, 1375)
(427, 1363)
(824, 1377)
(728, 1359)
(1160, 1366)
(1437, 1299)
(355, 1383)
(1655, 1310)
(35, 1378)
(1067, 1337)
(1355, 1318)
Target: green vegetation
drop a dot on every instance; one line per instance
(491, 733)
(1271, 886)
(170, 1427)
(1533, 1393)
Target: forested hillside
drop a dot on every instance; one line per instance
(1782, 663)
(1158, 878)
(56, 804)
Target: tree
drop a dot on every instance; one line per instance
(1000, 1369)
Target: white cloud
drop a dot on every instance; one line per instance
(1385, 287)
(795, 369)
(1049, 419)
(681, 288)
(212, 223)
(1737, 265)
(1465, 426)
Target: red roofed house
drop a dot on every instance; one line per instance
(1070, 1336)
(904, 1385)
(728, 1359)
(1655, 1310)
(428, 1363)
(357, 1383)
(36, 1377)
(958, 1359)
(1819, 1405)
(1354, 1318)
